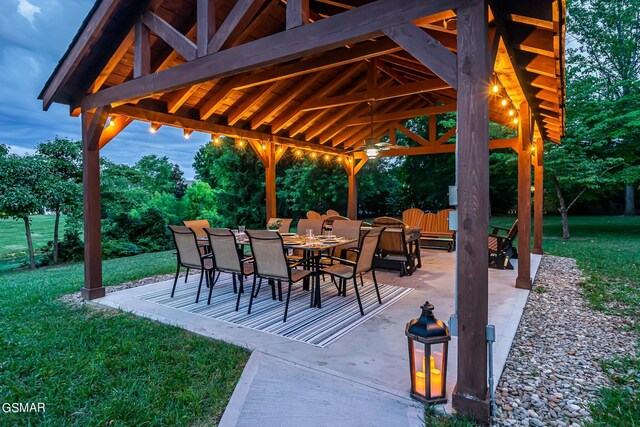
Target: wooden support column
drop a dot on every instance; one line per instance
(141, 51)
(470, 396)
(206, 24)
(270, 154)
(353, 165)
(525, 139)
(92, 127)
(538, 197)
(297, 13)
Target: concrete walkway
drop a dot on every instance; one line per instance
(369, 364)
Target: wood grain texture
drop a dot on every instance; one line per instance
(297, 13)
(206, 24)
(141, 52)
(525, 136)
(161, 28)
(473, 76)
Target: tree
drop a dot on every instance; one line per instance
(63, 182)
(162, 176)
(603, 81)
(22, 192)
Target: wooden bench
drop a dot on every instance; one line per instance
(435, 231)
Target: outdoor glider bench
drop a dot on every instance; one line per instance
(501, 249)
(435, 233)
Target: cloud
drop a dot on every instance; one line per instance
(28, 10)
(20, 151)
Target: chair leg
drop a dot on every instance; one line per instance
(186, 276)
(279, 290)
(272, 283)
(253, 289)
(199, 286)
(361, 281)
(241, 291)
(355, 285)
(173, 290)
(375, 284)
(211, 282)
(286, 306)
(235, 287)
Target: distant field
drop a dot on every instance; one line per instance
(13, 240)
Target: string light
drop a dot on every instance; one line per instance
(153, 128)
(515, 121)
(112, 121)
(533, 148)
(504, 102)
(264, 147)
(314, 155)
(298, 153)
(339, 159)
(187, 133)
(326, 157)
(495, 89)
(240, 143)
(280, 150)
(511, 112)
(216, 141)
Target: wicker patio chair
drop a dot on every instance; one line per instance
(228, 260)
(189, 256)
(501, 249)
(270, 263)
(285, 224)
(349, 270)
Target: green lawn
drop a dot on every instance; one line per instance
(608, 250)
(13, 241)
(102, 367)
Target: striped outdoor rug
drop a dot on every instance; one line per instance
(319, 327)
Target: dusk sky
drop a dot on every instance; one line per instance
(34, 34)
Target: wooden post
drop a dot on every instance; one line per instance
(92, 127)
(270, 180)
(206, 24)
(297, 13)
(525, 134)
(352, 200)
(538, 198)
(470, 396)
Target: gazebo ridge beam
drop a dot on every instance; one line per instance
(349, 27)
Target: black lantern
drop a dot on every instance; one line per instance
(428, 346)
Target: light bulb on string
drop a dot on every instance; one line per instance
(504, 102)
(495, 88)
(515, 121)
(512, 113)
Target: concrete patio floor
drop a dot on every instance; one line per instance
(372, 356)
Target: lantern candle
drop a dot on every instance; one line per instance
(432, 363)
(421, 386)
(436, 382)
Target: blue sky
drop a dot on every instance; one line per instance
(34, 34)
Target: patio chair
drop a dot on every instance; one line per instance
(310, 224)
(349, 270)
(501, 249)
(395, 252)
(413, 217)
(285, 224)
(349, 229)
(313, 215)
(331, 212)
(270, 263)
(328, 221)
(189, 256)
(435, 231)
(227, 259)
(198, 226)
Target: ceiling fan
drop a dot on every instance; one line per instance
(372, 145)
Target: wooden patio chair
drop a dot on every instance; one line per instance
(331, 212)
(413, 217)
(227, 259)
(313, 215)
(189, 256)
(501, 249)
(394, 251)
(285, 224)
(435, 231)
(198, 226)
(349, 270)
(270, 262)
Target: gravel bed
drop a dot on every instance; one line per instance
(553, 370)
(76, 297)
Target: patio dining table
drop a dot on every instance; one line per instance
(313, 247)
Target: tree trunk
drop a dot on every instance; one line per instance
(32, 257)
(629, 201)
(562, 208)
(56, 228)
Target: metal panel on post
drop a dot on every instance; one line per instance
(525, 136)
(470, 395)
(92, 126)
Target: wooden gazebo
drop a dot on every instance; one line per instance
(300, 74)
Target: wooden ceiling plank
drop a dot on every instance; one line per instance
(407, 114)
(113, 62)
(181, 96)
(241, 109)
(185, 47)
(218, 97)
(527, 20)
(306, 40)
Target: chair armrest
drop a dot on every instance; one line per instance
(299, 262)
(247, 259)
(342, 260)
(354, 250)
(496, 228)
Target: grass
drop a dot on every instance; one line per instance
(608, 250)
(101, 367)
(13, 241)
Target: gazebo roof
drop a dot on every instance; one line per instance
(317, 98)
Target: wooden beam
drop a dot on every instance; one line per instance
(235, 23)
(403, 115)
(448, 134)
(270, 181)
(379, 94)
(470, 396)
(417, 138)
(321, 36)
(538, 198)
(115, 126)
(433, 128)
(206, 24)
(215, 101)
(297, 13)
(183, 122)
(181, 96)
(161, 28)
(426, 49)
(91, 131)
(525, 136)
(445, 148)
(141, 53)
(113, 62)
